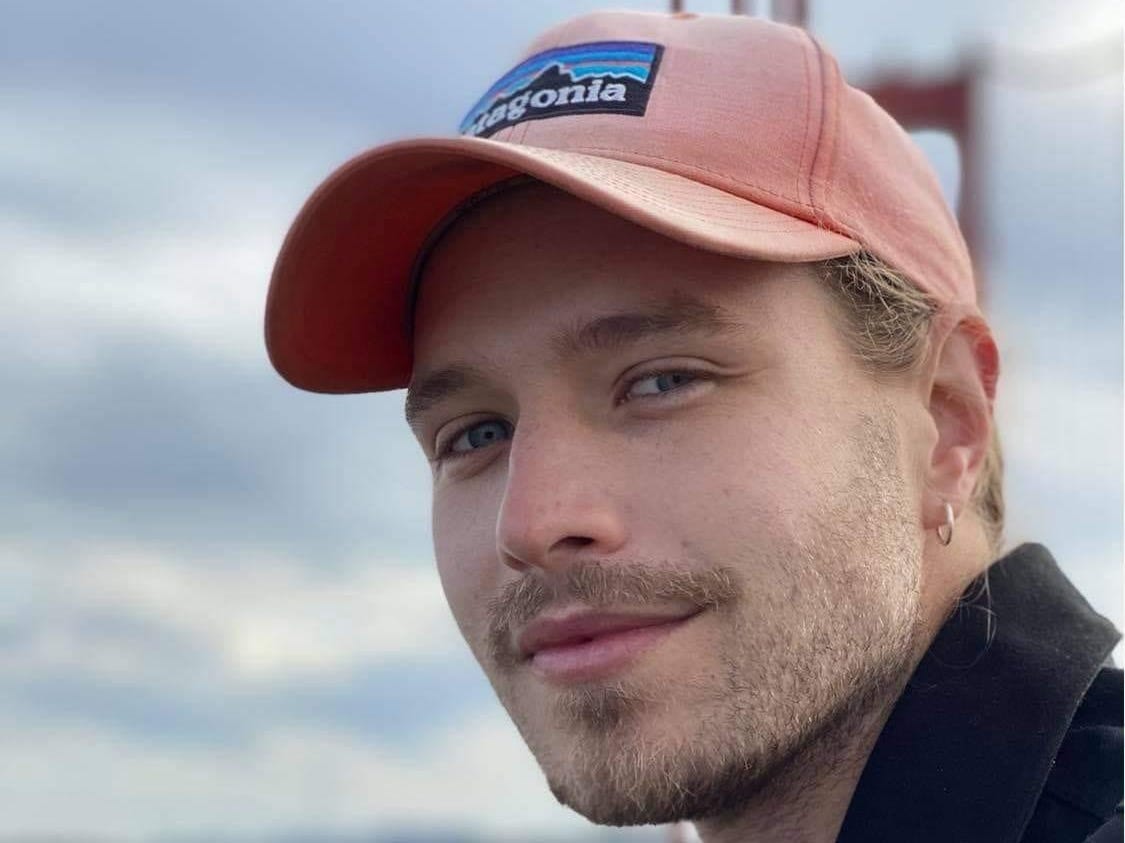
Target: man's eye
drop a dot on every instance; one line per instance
(658, 383)
(475, 437)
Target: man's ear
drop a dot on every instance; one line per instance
(963, 368)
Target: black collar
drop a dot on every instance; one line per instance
(967, 748)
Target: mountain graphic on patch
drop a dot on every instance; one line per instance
(613, 77)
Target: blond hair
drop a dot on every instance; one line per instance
(888, 322)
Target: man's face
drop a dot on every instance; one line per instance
(676, 523)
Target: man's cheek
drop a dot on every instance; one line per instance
(469, 577)
(468, 603)
(464, 534)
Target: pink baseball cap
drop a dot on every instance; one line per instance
(732, 134)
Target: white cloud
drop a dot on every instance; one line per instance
(262, 619)
(1063, 427)
(476, 776)
(201, 287)
(157, 219)
(1060, 412)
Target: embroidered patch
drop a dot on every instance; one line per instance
(605, 77)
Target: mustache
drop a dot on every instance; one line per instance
(599, 584)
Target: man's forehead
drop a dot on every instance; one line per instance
(515, 227)
(529, 243)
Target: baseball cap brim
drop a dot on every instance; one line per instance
(336, 314)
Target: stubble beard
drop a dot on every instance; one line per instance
(798, 676)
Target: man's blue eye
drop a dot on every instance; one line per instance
(479, 436)
(661, 382)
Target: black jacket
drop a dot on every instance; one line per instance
(1010, 730)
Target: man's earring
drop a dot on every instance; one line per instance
(945, 531)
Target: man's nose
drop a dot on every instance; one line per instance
(560, 502)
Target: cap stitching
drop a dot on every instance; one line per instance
(718, 207)
(823, 122)
(689, 165)
(805, 134)
(830, 147)
(834, 152)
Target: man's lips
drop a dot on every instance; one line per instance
(587, 645)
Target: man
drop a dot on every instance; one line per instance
(693, 348)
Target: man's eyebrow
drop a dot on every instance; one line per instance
(683, 314)
(437, 386)
(680, 315)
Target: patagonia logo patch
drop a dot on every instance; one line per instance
(613, 77)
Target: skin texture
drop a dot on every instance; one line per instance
(751, 477)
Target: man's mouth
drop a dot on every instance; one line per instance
(580, 646)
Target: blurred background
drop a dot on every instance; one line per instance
(219, 618)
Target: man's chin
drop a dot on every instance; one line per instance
(642, 783)
(605, 751)
(601, 809)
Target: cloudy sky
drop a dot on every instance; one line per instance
(218, 611)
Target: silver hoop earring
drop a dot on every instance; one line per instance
(945, 531)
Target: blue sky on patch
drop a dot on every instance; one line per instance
(217, 603)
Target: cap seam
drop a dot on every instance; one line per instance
(825, 147)
(834, 151)
(820, 139)
(805, 135)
